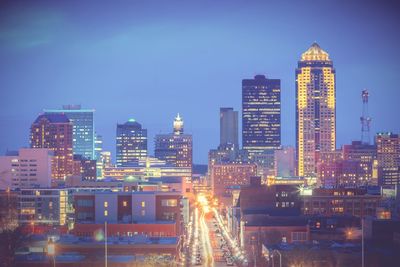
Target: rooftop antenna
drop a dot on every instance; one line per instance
(365, 119)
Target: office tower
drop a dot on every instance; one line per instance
(388, 153)
(131, 143)
(261, 114)
(228, 128)
(106, 159)
(365, 155)
(225, 177)
(176, 148)
(54, 131)
(26, 168)
(85, 168)
(83, 128)
(98, 148)
(315, 108)
(284, 162)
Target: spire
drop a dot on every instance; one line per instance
(178, 125)
(315, 53)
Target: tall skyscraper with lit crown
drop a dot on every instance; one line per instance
(315, 108)
(175, 148)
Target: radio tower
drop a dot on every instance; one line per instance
(365, 119)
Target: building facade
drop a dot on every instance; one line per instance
(131, 143)
(388, 154)
(175, 149)
(315, 108)
(228, 128)
(28, 168)
(261, 114)
(54, 131)
(82, 128)
(225, 177)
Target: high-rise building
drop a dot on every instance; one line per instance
(54, 131)
(315, 109)
(226, 177)
(365, 155)
(83, 128)
(98, 148)
(176, 148)
(261, 114)
(131, 143)
(27, 168)
(284, 162)
(388, 153)
(228, 127)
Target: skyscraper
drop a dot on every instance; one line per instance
(261, 116)
(54, 131)
(131, 143)
(176, 148)
(228, 127)
(83, 128)
(315, 108)
(388, 152)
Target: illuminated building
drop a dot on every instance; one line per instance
(261, 114)
(225, 177)
(228, 127)
(98, 149)
(83, 128)
(340, 201)
(131, 143)
(27, 168)
(176, 148)
(365, 155)
(43, 206)
(54, 131)
(388, 153)
(85, 168)
(315, 109)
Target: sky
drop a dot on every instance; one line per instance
(149, 60)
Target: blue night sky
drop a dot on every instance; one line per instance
(149, 60)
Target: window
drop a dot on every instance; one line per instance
(124, 203)
(143, 204)
(299, 236)
(169, 203)
(105, 204)
(106, 213)
(143, 213)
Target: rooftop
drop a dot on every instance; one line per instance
(315, 53)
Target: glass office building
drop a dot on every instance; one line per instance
(83, 128)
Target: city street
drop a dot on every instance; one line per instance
(209, 242)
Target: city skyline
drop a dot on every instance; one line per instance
(361, 62)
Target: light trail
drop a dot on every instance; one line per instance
(209, 259)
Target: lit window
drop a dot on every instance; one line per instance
(106, 213)
(143, 204)
(124, 203)
(105, 204)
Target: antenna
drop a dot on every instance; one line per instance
(365, 119)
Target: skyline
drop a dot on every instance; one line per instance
(188, 40)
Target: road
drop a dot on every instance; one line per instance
(209, 243)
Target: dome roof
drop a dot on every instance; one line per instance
(315, 53)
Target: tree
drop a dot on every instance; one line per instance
(10, 241)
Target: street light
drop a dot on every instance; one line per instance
(51, 251)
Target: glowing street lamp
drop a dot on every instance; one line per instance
(51, 251)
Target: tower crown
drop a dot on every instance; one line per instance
(178, 125)
(315, 53)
